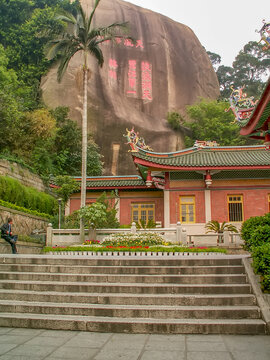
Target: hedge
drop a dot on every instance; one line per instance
(261, 264)
(14, 192)
(256, 233)
(27, 211)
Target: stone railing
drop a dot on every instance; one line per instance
(61, 237)
(178, 234)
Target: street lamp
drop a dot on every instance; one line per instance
(59, 212)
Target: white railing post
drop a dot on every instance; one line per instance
(184, 237)
(178, 232)
(226, 238)
(133, 228)
(49, 235)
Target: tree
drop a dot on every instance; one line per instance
(81, 36)
(250, 66)
(210, 121)
(215, 59)
(66, 186)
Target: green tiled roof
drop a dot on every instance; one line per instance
(110, 181)
(208, 157)
(114, 181)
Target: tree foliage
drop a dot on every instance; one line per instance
(250, 69)
(210, 121)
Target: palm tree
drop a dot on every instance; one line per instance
(216, 227)
(80, 36)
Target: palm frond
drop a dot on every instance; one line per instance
(92, 14)
(97, 52)
(57, 46)
(66, 17)
(64, 61)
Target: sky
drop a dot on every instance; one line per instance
(222, 26)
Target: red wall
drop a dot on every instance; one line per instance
(199, 205)
(125, 208)
(255, 203)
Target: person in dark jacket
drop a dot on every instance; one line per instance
(6, 234)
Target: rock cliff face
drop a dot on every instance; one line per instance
(165, 70)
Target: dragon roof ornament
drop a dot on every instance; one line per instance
(135, 141)
(240, 104)
(265, 35)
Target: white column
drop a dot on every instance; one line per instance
(67, 208)
(117, 208)
(166, 208)
(207, 197)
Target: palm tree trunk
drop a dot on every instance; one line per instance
(84, 146)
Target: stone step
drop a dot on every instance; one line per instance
(131, 325)
(133, 311)
(146, 270)
(130, 299)
(102, 261)
(119, 278)
(138, 288)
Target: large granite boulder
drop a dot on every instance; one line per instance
(165, 70)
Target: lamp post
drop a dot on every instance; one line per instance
(59, 212)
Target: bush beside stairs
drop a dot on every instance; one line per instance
(195, 295)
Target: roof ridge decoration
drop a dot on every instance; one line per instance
(240, 104)
(265, 35)
(203, 144)
(135, 141)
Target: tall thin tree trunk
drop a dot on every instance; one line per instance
(84, 146)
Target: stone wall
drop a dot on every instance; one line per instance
(23, 223)
(21, 174)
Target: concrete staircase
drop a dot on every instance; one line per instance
(195, 294)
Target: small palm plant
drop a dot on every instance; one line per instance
(219, 228)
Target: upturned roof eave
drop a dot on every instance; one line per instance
(257, 112)
(159, 167)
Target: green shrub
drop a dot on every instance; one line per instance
(12, 191)
(261, 264)
(22, 209)
(260, 235)
(250, 225)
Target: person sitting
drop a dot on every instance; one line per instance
(6, 234)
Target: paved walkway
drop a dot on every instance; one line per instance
(36, 344)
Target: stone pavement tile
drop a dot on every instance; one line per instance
(26, 332)
(59, 333)
(206, 355)
(212, 338)
(86, 339)
(120, 354)
(243, 355)
(201, 346)
(171, 338)
(126, 342)
(163, 343)
(14, 339)
(20, 357)
(5, 330)
(32, 350)
(247, 342)
(68, 352)
(6, 347)
(47, 340)
(163, 355)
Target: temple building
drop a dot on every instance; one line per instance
(194, 185)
